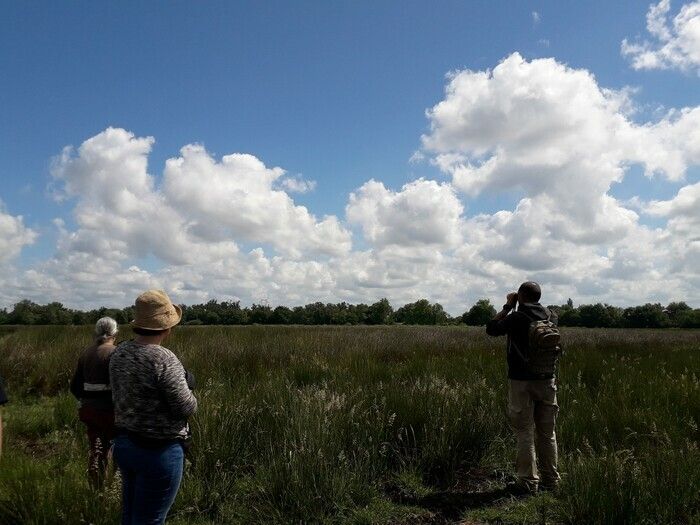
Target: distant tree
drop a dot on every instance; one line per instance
(128, 313)
(281, 315)
(569, 317)
(379, 312)
(299, 315)
(339, 313)
(317, 313)
(479, 314)
(421, 312)
(232, 313)
(24, 312)
(689, 318)
(645, 316)
(440, 315)
(260, 314)
(79, 318)
(676, 311)
(361, 313)
(599, 315)
(569, 303)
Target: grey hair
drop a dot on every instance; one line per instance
(105, 328)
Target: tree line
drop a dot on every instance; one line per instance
(422, 312)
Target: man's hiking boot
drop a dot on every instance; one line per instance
(521, 488)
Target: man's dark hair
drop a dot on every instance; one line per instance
(146, 332)
(530, 291)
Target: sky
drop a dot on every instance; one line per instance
(289, 152)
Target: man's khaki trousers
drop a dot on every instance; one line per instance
(532, 410)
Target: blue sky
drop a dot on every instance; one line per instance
(335, 92)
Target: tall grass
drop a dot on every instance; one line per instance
(310, 424)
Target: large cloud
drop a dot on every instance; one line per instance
(235, 197)
(677, 43)
(682, 235)
(118, 209)
(14, 235)
(554, 135)
(423, 213)
(204, 205)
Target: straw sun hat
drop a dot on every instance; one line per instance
(155, 311)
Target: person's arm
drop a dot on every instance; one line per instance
(173, 384)
(76, 384)
(499, 324)
(554, 317)
(191, 380)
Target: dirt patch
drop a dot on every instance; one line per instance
(34, 449)
(474, 489)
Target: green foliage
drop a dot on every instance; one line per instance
(676, 311)
(646, 316)
(421, 312)
(676, 314)
(479, 314)
(380, 312)
(599, 315)
(689, 319)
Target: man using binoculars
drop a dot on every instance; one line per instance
(532, 351)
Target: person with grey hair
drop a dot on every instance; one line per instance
(91, 386)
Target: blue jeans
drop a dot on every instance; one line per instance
(150, 480)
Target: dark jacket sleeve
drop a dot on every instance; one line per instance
(76, 384)
(498, 327)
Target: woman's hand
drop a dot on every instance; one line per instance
(191, 381)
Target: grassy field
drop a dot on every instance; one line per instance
(365, 425)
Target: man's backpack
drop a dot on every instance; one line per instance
(544, 348)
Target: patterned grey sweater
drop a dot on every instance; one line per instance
(149, 390)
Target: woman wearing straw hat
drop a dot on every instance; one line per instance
(152, 402)
(91, 386)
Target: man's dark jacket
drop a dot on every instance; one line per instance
(516, 326)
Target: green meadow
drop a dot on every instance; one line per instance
(372, 425)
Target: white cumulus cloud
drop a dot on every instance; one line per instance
(675, 44)
(14, 235)
(202, 206)
(423, 213)
(236, 198)
(552, 134)
(298, 185)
